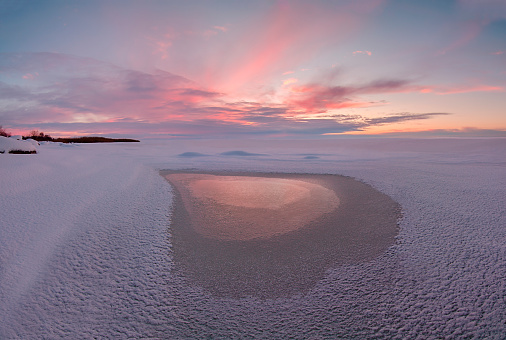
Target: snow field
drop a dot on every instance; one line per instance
(86, 252)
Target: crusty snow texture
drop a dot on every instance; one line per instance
(85, 244)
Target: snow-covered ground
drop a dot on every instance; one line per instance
(12, 144)
(85, 243)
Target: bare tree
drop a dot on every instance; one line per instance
(38, 136)
(3, 132)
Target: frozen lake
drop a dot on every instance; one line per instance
(86, 243)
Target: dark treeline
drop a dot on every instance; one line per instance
(39, 136)
(93, 140)
(42, 137)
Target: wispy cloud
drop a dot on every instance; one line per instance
(221, 28)
(368, 53)
(448, 90)
(291, 33)
(290, 81)
(317, 97)
(402, 117)
(30, 76)
(468, 32)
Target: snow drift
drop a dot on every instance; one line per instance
(13, 145)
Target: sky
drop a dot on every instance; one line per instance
(253, 69)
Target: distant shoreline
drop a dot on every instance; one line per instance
(95, 140)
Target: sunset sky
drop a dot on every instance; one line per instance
(254, 69)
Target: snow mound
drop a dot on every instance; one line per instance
(33, 142)
(8, 145)
(191, 154)
(240, 153)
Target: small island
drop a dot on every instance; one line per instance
(42, 137)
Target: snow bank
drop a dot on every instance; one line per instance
(86, 246)
(12, 145)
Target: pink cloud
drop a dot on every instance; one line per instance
(220, 28)
(447, 90)
(162, 48)
(30, 76)
(468, 89)
(369, 53)
(289, 81)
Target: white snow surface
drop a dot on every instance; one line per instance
(8, 144)
(85, 243)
